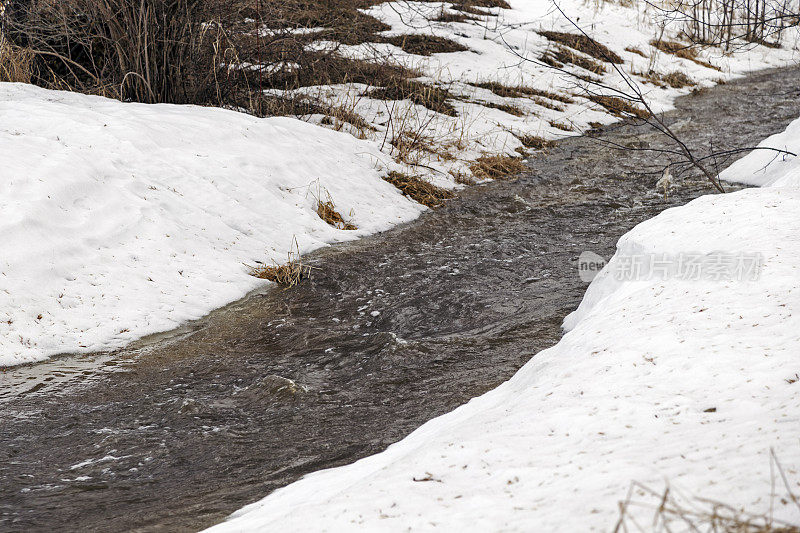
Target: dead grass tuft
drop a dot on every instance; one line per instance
(419, 190)
(561, 126)
(583, 43)
(425, 45)
(521, 91)
(560, 56)
(327, 212)
(15, 63)
(682, 51)
(288, 274)
(675, 79)
(497, 167)
(617, 106)
(534, 142)
(429, 96)
(635, 50)
(505, 108)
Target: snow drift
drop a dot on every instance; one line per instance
(121, 220)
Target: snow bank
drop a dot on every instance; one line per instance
(121, 220)
(660, 379)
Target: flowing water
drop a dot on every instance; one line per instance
(393, 330)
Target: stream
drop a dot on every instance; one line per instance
(177, 432)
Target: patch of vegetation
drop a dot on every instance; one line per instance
(682, 51)
(15, 63)
(617, 106)
(521, 91)
(505, 108)
(429, 96)
(583, 43)
(534, 142)
(635, 50)
(561, 126)
(418, 189)
(425, 45)
(327, 212)
(497, 167)
(560, 56)
(675, 79)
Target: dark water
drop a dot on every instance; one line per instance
(392, 331)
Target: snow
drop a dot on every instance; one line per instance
(121, 220)
(505, 46)
(661, 379)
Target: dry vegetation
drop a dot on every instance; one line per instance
(288, 274)
(682, 51)
(497, 167)
(418, 189)
(617, 106)
(583, 43)
(327, 212)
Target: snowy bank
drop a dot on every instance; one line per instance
(122, 220)
(661, 379)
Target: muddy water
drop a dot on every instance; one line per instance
(392, 330)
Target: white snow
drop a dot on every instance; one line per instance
(122, 220)
(659, 380)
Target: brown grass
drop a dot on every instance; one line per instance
(534, 142)
(327, 212)
(429, 96)
(561, 126)
(15, 63)
(505, 108)
(561, 55)
(583, 43)
(617, 106)
(288, 274)
(419, 190)
(635, 50)
(682, 51)
(496, 167)
(521, 91)
(425, 45)
(675, 79)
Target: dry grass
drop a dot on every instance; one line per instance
(419, 190)
(635, 50)
(327, 212)
(682, 51)
(15, 63)
(505, 108)
(429, 96)
(288, 274)
(583, 43)
(617, 106)
(496, 167)
(521, 91)
(675, 79)
(561, 125)
(645, 509)
(534, 142)
(425, 45)
(561, 55)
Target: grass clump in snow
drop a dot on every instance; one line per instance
(521, 91)
(327, 212)
(682, 51)
(496, 167)
(429, 96)
(675, 79)
(583, 43)
(617, 106)
(561, 55)
(425, 45)
(288, 274)
(418, 189)
(561, 125)
(505, 108)
(534, 142)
